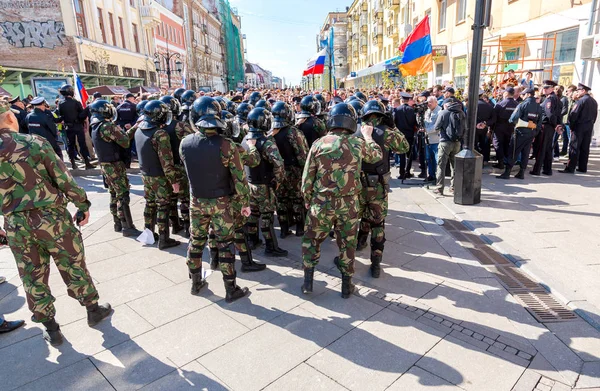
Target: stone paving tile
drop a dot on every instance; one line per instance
(469, 367)
(271, 350)
(137, 285)
(540, 365)
(373, 355)
(527, 381)
(191, 336)
(416, 379)
(590, 375)
(82, 375)
(99, 252)
(580, 337)
(192, 376)
(302, 378)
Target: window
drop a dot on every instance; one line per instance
(461, 11)
(136, 40)
(442, 15)
(566, 46)
(127, 72)
(122, 33)
(80, 18)
(112, 29)
(91, 66)
(101, 23)
(112, 69)
(460, 72)
(132, 3)
(143, 75)
(153, 77)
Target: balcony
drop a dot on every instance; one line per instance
(363, 49)
(392, 4)
(364, 26)
(392, 31)
(355, 53)
(364, 6)
(150, 16)
(378, 39)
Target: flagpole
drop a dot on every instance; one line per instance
(331, 60)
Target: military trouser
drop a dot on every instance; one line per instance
(518, 149)
(372, 210)
(220, 214)
(183, 197)
(263, 204)
(240, 232)
(35, 235)
(290, 207)
(115, 177)
(341, 213)
(157, 192)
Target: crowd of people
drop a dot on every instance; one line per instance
(217, 168)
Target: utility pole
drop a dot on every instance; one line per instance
(469, 163)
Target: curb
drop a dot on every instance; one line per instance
(96, 171)
(591, 315)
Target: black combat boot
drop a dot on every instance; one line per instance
(233, 291)
(186, 229)
(506, 173)
(271, 246)
(300, 226)
(347, 286)
(520, 174)
(176, 225)
(73, 165)
(117, 224)
(95, 313)
(52, 332)
(214, 258)
(248, 264)
(285, 229)
(127, 222)
(499, 165)
(309, 273)
(88, 164)
(362, 240)
(375, 266)
(164, 241)
(254, 241)
(197, 281)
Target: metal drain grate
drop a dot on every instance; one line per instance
(488, 256)
(513, 279)
(544, 307)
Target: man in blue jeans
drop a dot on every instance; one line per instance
(433, 137)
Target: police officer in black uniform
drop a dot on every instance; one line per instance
(405, 119)
(187, 101)
(581, 119)
(126, 118)
(309, 107)
(21, 114)
(486, 118)
(527, 120)
(38, 122)
(503, 129)
(72, 113)
(551, 120)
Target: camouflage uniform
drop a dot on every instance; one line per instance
(263, 201)
(331, 186)
(35, 188)
(182, 129)
(289, 198)
(373, 201)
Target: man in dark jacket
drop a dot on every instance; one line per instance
(72, 113)
(451, 124)
(17, 104)
(40, 123)
(405, 120)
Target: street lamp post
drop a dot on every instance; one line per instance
(168, 56)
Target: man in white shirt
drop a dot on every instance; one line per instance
(431, 149)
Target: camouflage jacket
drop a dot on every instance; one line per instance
(251, 158)
(162, 145)
(299, 144)
(183, 128)
(320, 126)
(110, 132)
(270, 153)
(396, 141)
(333, 165)
(32, 176)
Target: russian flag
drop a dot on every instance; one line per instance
(80, 92)
(316, 65)
(417, 58)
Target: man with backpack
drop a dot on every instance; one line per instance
(451, 125)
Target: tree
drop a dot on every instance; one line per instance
(101, 57)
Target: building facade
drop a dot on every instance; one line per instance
(336, 68)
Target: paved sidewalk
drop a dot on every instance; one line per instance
(436, 319)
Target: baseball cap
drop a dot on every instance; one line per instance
(450, 90)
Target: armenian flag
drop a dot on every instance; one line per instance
(417, 58)
(316, 65)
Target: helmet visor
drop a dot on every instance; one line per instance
(114, 114)
(169, 118)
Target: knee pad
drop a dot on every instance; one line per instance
(377, 245)
(380, 224)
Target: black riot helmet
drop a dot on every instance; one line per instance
(254, 98)
(102, 110)
(282, 115)
(351, 98)
(342, 116)
(231, 107)
(361, 96)
(321, 100)
(242, 111)
(139, 108)
(358, 106)
(221, 101)
(373, 107)
(177, 93)
(173, 103)
(259, 121)
(309, 106)
(187, 99)
(226, 115)
(232, 128)
(66, 90)
(156, 113)
(206, 113)
(264, 103)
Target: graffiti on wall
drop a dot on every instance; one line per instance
(25, 34)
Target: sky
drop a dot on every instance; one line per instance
(280, 34)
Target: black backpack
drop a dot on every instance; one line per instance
(454, 128)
